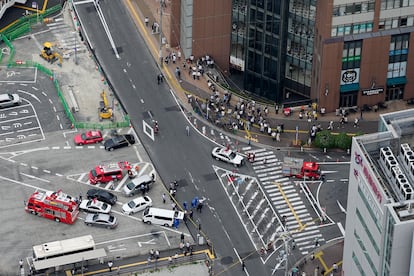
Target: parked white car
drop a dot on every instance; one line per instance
(136, 205)
(227, 155)
(95, 206)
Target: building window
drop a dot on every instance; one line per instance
(353, 8)
(388, 240)
(398, 56)
(358, 264)
(351, 55)
(368, 207)
(364, 250)
(357, 28)
(395, 4)
(364, 225)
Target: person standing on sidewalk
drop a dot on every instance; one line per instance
(110, 264)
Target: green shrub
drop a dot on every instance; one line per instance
(343, 141)
(324, 139)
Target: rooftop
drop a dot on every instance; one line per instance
(391, 158)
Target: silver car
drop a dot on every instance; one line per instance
(102, 220)
(136, 205)
(7, 100)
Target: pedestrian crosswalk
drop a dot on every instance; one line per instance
(66, 39)
(285, 196)
(144, 168)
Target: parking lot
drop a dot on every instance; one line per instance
(37, 152)
(39, 112)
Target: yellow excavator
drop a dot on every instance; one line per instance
(49, 55)
(104, 109)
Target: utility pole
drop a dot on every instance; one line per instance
(160, 54)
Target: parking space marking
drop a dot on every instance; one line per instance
(34, 177)
(21, 183)
(17, 119)
(81, 176)
(22, 76)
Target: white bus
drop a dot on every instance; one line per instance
(57, 254)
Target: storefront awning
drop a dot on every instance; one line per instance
(396, 81)
(349, 87)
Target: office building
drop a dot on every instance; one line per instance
(363, 53)
(380, 210)
(338, 53)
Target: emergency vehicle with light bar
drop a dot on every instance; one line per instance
(53, 205)
(301, 169)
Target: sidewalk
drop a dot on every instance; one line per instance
(194, 92)
(171, 262)
(321, 261)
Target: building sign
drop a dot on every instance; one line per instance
(350, 76)
(237, 63)
(371, 182)
(372, 91)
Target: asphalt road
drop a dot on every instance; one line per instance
(175, 155)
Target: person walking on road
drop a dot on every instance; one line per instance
(200, 206)
(187, 130)
(356, 122)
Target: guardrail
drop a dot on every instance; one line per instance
(104, 125)
(161, 263)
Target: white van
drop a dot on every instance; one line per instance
(161, 216)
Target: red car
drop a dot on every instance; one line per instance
(89, 137)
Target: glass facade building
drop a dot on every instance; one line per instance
(272, 44)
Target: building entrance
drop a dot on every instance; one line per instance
(394, 93)
(348, 99)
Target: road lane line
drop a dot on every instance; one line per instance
(34, 177)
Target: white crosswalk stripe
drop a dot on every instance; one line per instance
(284, 195)
(65, 37)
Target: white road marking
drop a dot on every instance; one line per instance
(34, 177)
(341, 228)
(81, 176)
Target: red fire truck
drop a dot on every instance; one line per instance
(53, 205)
(109, 172)
(300, 169)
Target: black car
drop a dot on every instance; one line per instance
(102, 195)
(119, 141)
